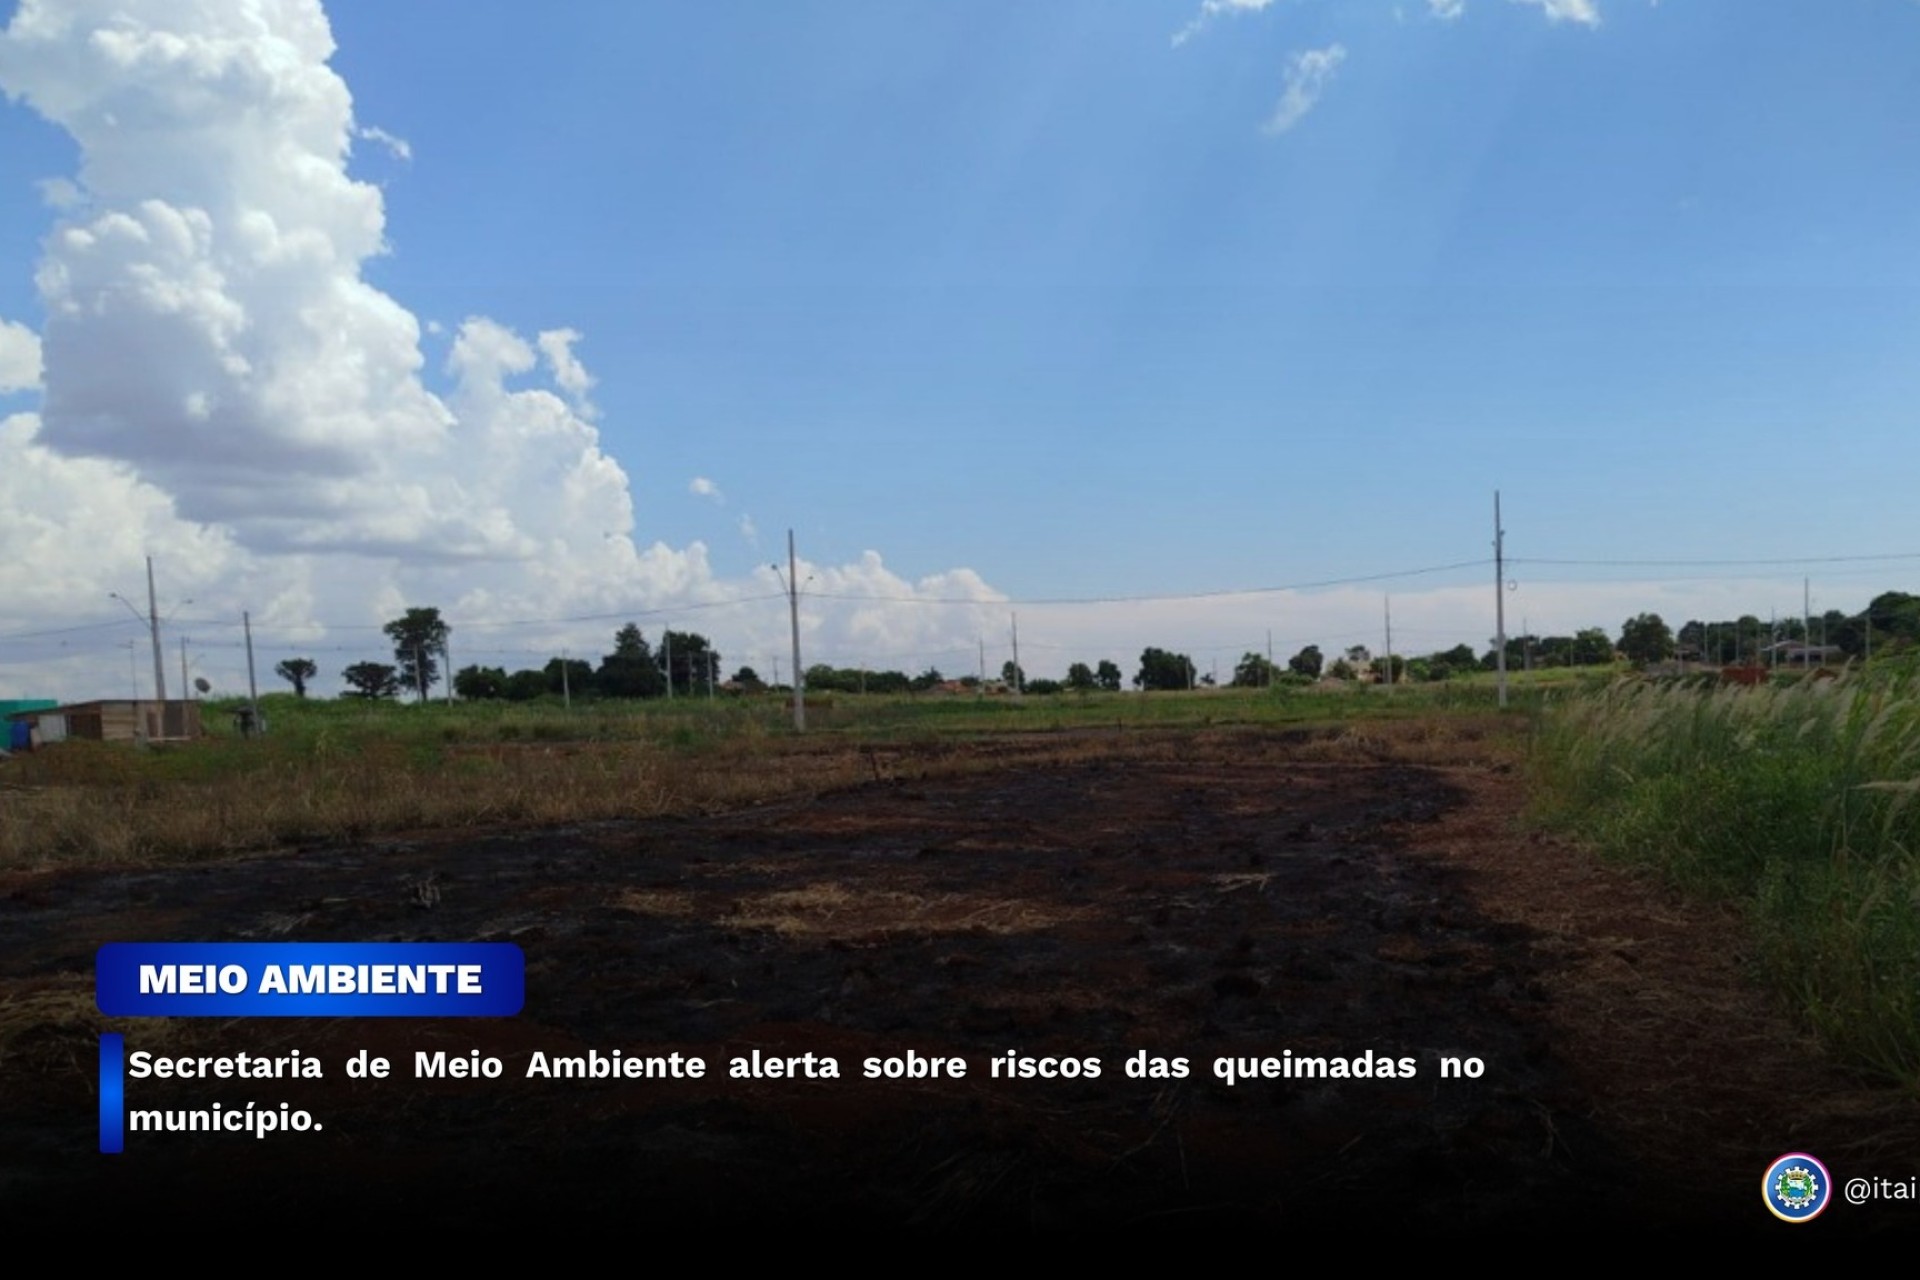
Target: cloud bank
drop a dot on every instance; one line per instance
(219, 385)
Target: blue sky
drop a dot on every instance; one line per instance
(1038, 292)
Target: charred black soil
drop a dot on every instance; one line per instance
(1250, 899)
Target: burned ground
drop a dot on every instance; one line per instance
(1228, 896)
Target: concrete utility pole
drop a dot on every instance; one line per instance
(153, 625)
(566, 686)
(186, 689)
(1500, 598)
(666, 658)
(793, 613)
(1269, 681)
(446, 668)
(1387, 604)
(1018, 683)
(253, 689)
(1806, 621)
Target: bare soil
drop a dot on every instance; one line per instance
(1233, 895)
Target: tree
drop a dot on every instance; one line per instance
(526, 685)
(1012, 676)
(1591, 648)
(749, 679)
(630, 671)
(926, 680)
(1080, 678)
(1455, 661)
(1160, 669)
(1108, 675)
(480, 684)
(1307, 662)
(371, 680)
(297, 671)
(1253, 672)
(418, 638)
(1894, 615)
(1646, 638)
(577, 680)
(692, 661)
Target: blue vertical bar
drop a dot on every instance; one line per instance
(113, 1094)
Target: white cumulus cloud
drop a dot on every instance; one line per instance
(1446, 10)
(1308, 73)
(1211, 9)
(221, 387)
(701, 487)
(1584, 12)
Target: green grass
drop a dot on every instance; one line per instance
(688, 722)
(1794, 800)
(346, 769)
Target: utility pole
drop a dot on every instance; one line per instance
(253, 689)
(1018, 683)
(1388, 605)
(446, 668)
(666, 658)
(420, 673)
(566, 685)
(153, 625)
(710, 661)
(983, 665)
(1269, 657)
(793, 613)
(1500, 598)
(186, 690)
(1806, 621)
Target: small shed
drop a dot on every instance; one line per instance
(114, 720)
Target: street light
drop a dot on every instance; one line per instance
(152, 619)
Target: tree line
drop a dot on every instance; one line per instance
(686, 662)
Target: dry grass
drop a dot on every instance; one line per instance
(831, 911)
(89, 803)
(656, 902)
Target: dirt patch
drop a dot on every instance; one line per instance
(1280, 905)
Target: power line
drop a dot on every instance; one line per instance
(1709, 564)
(1158, 599)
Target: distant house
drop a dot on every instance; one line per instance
(113, 720)
(1799, 653)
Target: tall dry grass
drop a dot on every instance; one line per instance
(1796, 801)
